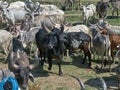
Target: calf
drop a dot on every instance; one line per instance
(88, 12)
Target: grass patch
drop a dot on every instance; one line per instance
(50, 80)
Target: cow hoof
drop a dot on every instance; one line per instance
(83, 62)
(42, 63)
(61, 74)
(90, 67)
(49, 68)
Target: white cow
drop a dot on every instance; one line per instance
(17, 11)
(76, 28)
(50, 10)
(16, 5)
(13, 15)
(88, 11)
(5, 41)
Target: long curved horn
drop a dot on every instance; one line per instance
(103, 83)
(51, 20)
(44, 27)
(62, 29)
(90, 24)
(12, 64)
(80, 82)
(28, 10)
(36, 63)
(3, 74)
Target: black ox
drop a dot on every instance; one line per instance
(50, 45)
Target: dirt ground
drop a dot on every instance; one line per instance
(50, 80)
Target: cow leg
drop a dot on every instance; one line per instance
(43, 58)
(89, 57)
(118, 83)
(117, 12)
(113, 13)
(31, 45)
(109, 58)
(85, 55)
(102, 64)
(49, 61)
(60, 70)
(42, 55)
(112, 55)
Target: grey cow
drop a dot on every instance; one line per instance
(101, 45)
(19, 64)
(115, 6)
(13, 15)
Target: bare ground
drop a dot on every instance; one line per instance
(50, 80)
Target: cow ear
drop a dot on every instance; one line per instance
(31, 77)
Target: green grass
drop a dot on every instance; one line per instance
(50, 80)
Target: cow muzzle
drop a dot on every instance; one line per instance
(24, 87)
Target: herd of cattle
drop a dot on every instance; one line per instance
(31, 23)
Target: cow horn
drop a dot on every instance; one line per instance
(90, 24)
(103, 83)
(28, 10)
(80, 82)
(12, 64)
(3, 74)
(62, 29)
(36, 63)
(51, 20)
(38, 6)
(43, 25)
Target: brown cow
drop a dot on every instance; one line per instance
(114, 39)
